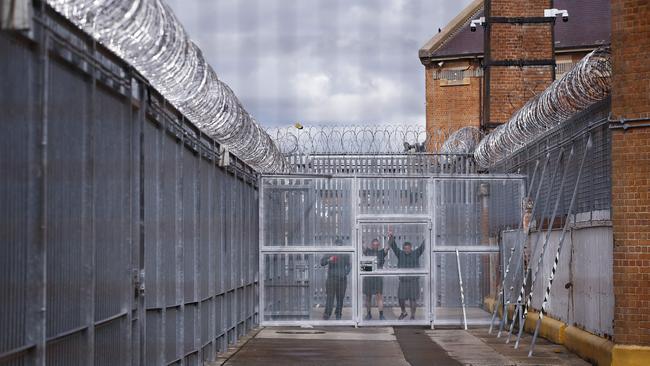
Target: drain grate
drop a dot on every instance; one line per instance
(300, 331)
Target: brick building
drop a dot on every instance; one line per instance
(455, 68)
(456, 96)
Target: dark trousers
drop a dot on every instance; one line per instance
(335, 288)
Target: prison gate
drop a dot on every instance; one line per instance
(316, 234)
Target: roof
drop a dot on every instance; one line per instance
(589, 26)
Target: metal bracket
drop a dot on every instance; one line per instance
(138, 281)
(224, 156)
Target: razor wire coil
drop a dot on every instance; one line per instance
(588, 82)
(369, 139)
(147, 35)
(462, 141)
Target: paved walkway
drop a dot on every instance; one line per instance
(388, 346)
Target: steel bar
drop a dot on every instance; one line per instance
(529, 300)
(567, 224)
(520, 259)
(501, 295)
(522, 291)
(462, 293)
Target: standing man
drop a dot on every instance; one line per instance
(409, 288)
(338, 268)
(375, 285)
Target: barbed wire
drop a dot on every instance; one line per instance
(370, 139)
(588, 82)
(147, 35)
(462, 141)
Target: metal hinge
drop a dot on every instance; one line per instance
(138, 281)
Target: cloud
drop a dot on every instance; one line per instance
(319, 61)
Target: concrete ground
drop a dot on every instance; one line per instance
(390, 346)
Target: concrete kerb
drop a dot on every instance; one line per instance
(588, 346)
(630, 355)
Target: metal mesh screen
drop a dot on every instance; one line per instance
(116, 210)
(307, 220)
(307, 211)
(594, 193)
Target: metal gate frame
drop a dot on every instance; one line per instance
(425, 271)
(437, 248)
(355, 289)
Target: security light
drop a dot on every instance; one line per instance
(475, 22)
(552, 13)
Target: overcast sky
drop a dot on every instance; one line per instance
(319, 61)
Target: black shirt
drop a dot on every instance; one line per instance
(339, 267)
(406, 260)
(380, 253)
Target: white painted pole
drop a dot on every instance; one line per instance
(462, 295)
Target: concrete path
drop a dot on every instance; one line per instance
(388, 346)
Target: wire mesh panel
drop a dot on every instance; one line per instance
(125, 240)
(594, 192)
(307, 286)
(307, 211)
(394, 196)
(480, 275)
(394, 299)
(401, 251)
(470, 216)
(470, 211)
(404, 164)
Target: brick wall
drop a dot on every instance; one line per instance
(450, 107)
(631, 172)
(511, 86)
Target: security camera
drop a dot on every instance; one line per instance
(476, 22)
(552, 13)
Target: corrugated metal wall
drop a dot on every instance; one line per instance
(583, 294)
(124, 242)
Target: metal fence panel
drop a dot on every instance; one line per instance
(69, 225)
(307, 219)
(470, 211)
(307, 211)
(118, 219)
(594, 193)
(20, 196)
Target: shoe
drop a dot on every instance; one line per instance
(381, 317)
(368, 317)
(402, 316)
(338, 316)
(326, 317)
(412, 317)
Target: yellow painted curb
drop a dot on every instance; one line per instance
(489, 303)
(630, 355)
(588, 346)
(551, 329)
